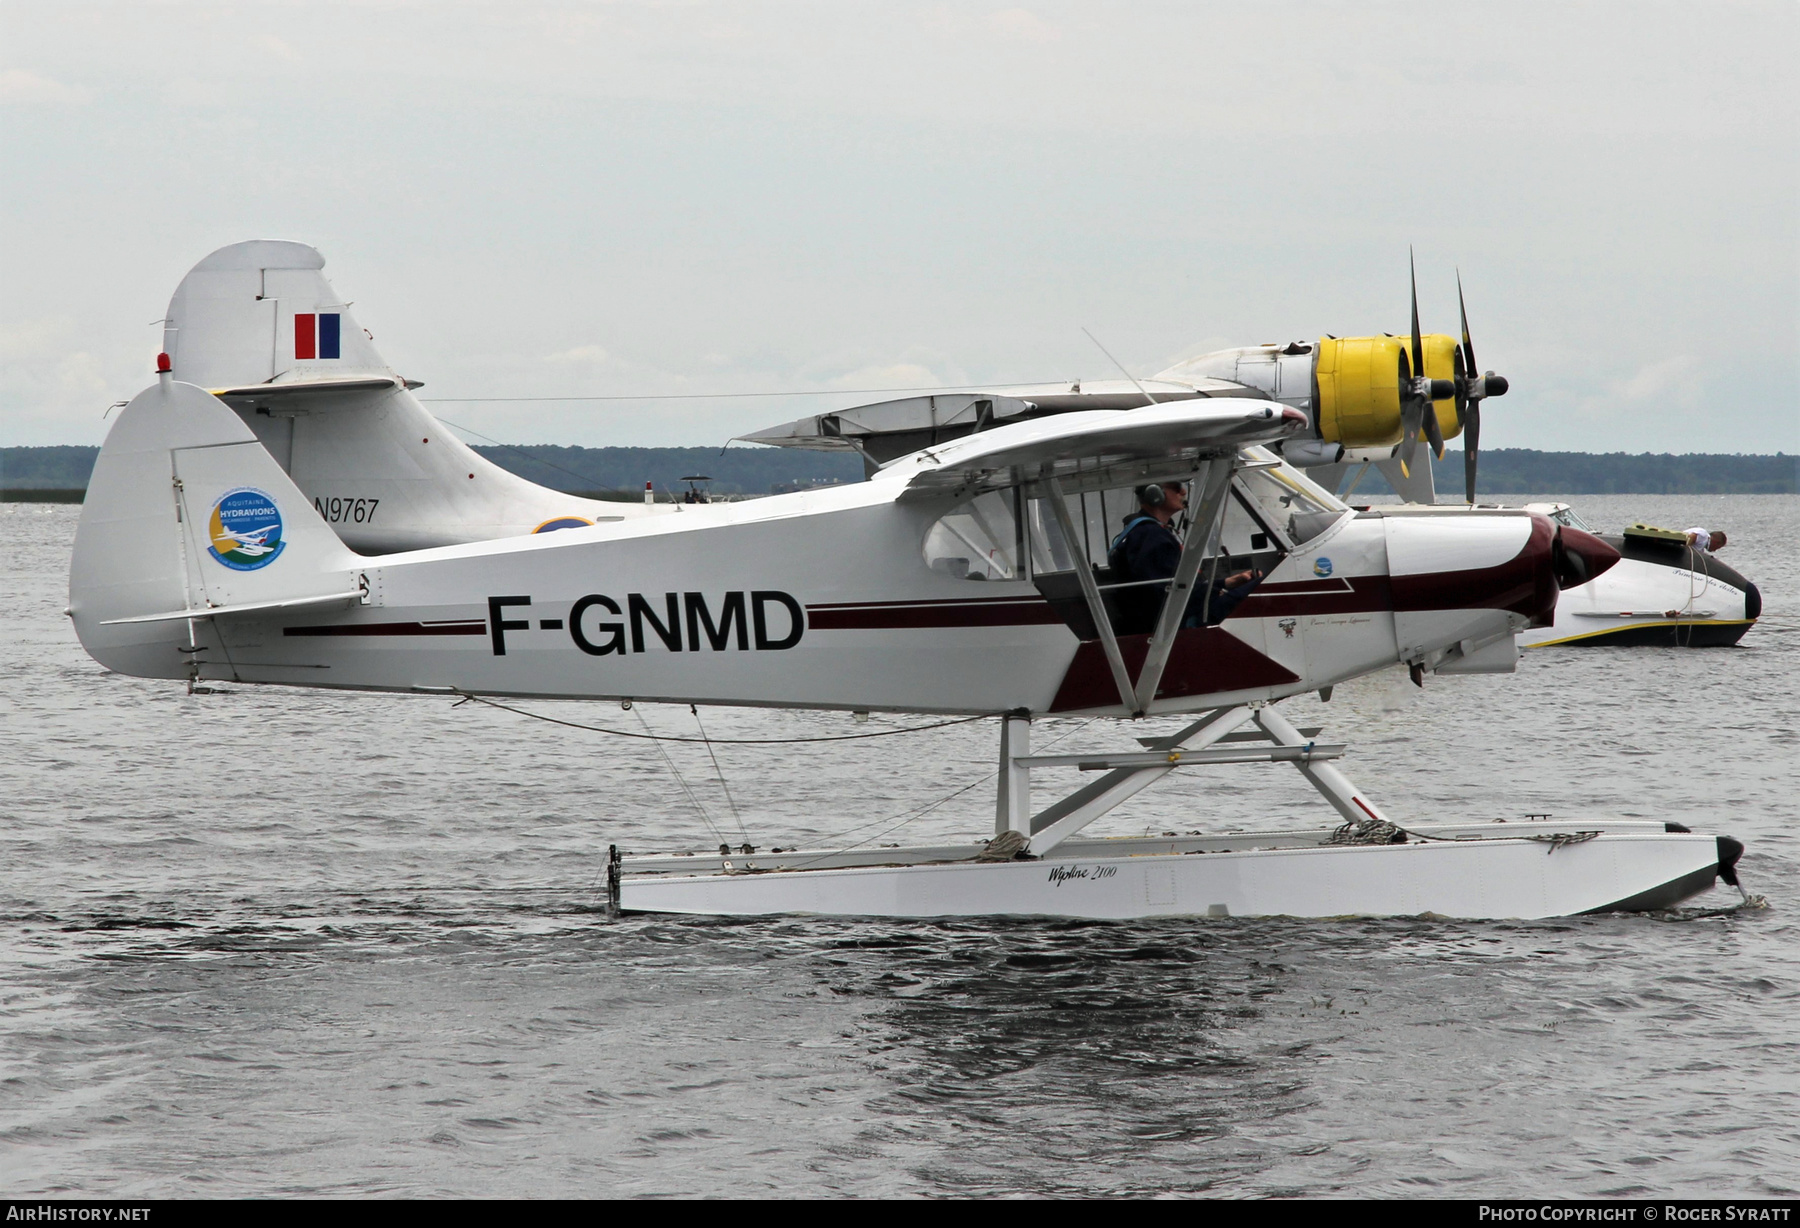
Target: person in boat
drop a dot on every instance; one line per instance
(1147, 549)
(1708, 540)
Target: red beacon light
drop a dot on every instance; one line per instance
(162, 364)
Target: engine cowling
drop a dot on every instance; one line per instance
(1357, 382)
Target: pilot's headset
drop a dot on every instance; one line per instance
(1152, 495)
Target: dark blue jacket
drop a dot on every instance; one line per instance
(1149, 550)
(1145, 549)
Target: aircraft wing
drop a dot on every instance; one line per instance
(1083, 448)
(931, 417)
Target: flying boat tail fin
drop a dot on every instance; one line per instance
(259, 326)
(188, 521)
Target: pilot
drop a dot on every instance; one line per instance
(1703, 539)
(1147, 549)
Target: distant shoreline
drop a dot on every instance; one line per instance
(60, 474)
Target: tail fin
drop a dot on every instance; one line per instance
(187, 519)
(255, 312)
(259, 325)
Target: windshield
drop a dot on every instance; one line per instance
(1289, 500)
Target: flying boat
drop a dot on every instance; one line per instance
(1369, 401)
(965, 578)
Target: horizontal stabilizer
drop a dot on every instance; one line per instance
(249, 607)
(287, 389)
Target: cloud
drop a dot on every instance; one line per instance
(19, 87)
(588, 354)
(1022, 25)
(280, 48)
(891, 375)
(1675, 378)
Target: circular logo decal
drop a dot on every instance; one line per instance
(563, 522)
(245, 529)
(1321, 566)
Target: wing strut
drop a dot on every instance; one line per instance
(1209, 516)
(1090, 592)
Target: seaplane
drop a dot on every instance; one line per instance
(1369, 401)
(966, 578)
(256, 543)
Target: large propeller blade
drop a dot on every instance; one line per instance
(1468, 409)
(1471, 390)
(1416, 408)
(1413, 409)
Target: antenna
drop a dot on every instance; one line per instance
(1148, 399)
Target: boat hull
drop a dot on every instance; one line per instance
(1658, 595)
(1475, 878)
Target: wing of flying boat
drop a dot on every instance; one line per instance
(887, 430)
(1141, 446)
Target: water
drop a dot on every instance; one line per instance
(285, 942)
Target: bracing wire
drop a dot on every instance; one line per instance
(921, 811)
(536, 460)
(680, 780)
(729, 396)
(720, 773)
(657, 737)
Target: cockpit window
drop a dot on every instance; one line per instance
(977, 540)
(1566, 515)
(1300, 508)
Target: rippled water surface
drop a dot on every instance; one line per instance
(278, 941)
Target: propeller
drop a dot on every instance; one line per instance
(1418, 392)
(1471, 390)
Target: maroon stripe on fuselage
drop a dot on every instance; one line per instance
(882, 615)
(937, 601)
(470, 627)
(1524, 584)
(1202, 661)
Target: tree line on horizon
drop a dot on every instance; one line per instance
(40, 472)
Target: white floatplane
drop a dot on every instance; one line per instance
(962, 579)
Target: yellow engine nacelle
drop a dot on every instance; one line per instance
(1357, 402)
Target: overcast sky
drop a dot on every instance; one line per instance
(634, 198)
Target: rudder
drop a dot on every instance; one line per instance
(187, 511)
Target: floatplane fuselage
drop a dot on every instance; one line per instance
(837, 598)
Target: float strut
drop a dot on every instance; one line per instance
(1012, 808)
(1057, 822)
(1332, 784)
(612, 880)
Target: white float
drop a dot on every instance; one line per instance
(1367, 867)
